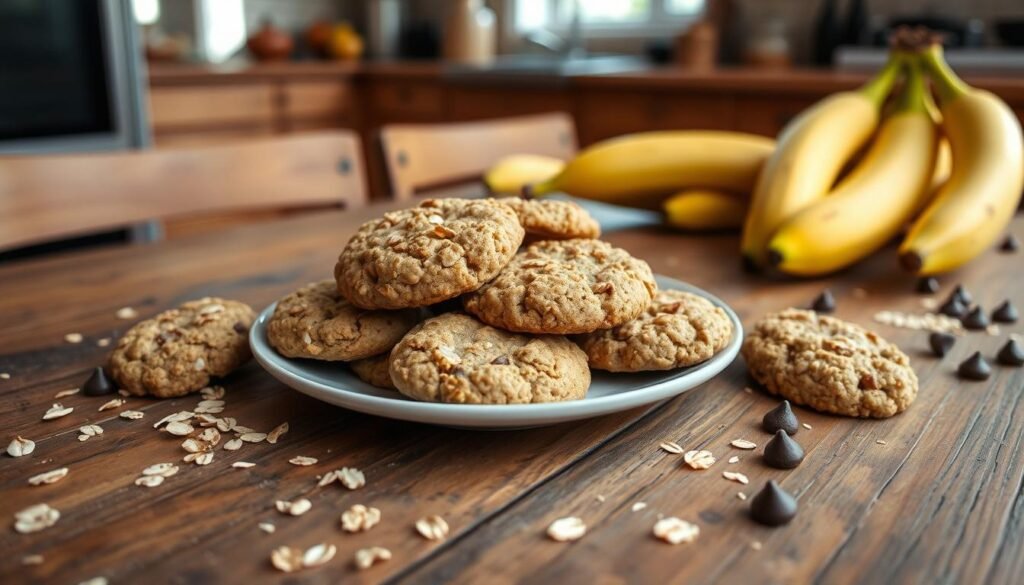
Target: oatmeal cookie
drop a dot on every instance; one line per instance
(569, 286)
(374, 371)
(178, 351)
(829, 365)
(678, 329)
(316, 322)
(455, 358)
(551, 219)
(424, 255)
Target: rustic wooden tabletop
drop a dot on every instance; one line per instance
(932, 495)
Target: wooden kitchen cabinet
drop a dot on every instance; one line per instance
(767, 115)
(603, 114)
(477, 103)
(406, 101)
(200, 108)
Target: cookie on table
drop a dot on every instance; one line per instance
(567, 286)
(455, 358)
(427, 254)
(678, 329)
(178, 351)
(374, 370)
(829, 365)
(317, 322)
(551, 219)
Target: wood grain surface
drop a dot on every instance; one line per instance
(933, 495)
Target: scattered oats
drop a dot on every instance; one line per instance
(359, 518)
(95, 581)
(210, 436)
(748, 390)
(328, 478)
(734, 459)
(240, 430)
(992, 329)
(277, 433)
(32, 560)
(859, 293)
(432, 527)
(927, 321)
(83, 438)
(21, 446)
(210, 407)
(756, 545)
(567, 529)
(35, 518)
(253, 437)
(699, 459)
(5, 376)
(233, 445)
(204, 458)
(212, 393)
(318, 554)
(880, 442)
(182, 416)
(191, 445)
(57, 411)
(243, 464)
(73, 338)
(674, 531)
(164, 469)
(66, 393)
(735, 476)
(807, 426)
(367, 557)
(88, 431)
(103, 342)
(302, 461)
(741, 496)
(179, 429)
(199, 364)
(307, 338)
(149, 480)
(49, 477)
(639, 506)
(671, 447)
(296, 508)
(743, 444)
(600, 498)
(226, 424)
(351, 478)
(126, 313)
(132, 414)
(286, 558)
(267, 527)
(112, 404)
(930, 304)
(124, 393)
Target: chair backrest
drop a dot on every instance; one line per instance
(429, 155)
(48, 197)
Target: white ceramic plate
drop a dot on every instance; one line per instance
(334, 383)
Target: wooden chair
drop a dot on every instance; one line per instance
(420, 156)
(49, 197)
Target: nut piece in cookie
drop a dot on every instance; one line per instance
(178, 351)
(678, 329)
(551, 219)
(569, 286)
(317, 322)
(427, 254)
(455, 358)
(829, 365)
(374, 371)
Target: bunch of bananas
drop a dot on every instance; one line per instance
(841, 181)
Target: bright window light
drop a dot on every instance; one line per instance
(146, 11)
(684, 6)
(624, 16)
(222, 27)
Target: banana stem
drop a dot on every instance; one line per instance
(914, 94)
(948, 84)
(877, 89)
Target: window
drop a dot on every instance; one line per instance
(606, 17)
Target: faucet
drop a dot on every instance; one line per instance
(567, 48)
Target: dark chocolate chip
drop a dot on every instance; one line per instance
(962, 293)
(1011, 354)
(501, 360)
(825, 303)
(1005, 313)
(941, 343)
(927, 285)
(240, 327)
(782, 452)
(975, 368)
(98, 384)
(1010, 244)
(781, 418)
(772, 506)
(953, 308)
(976, 319)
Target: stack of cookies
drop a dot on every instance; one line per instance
(439, 302)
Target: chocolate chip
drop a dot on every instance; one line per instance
(976, 319)
(98, 384)
(825, 303)
(1010, 244)
(941, 343)
(927, 285)
(975, 368)
(1005, 313)
(953, 308)
(1011, 354)
(782, 452)
(240, 327)
(772, 506)
(501, 360)
(781, 418)
(961, 293)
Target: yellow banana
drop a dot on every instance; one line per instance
(875, 201)
(811, 152)
(978, 200)
(510, 174)
(641, 170)
(705, 209)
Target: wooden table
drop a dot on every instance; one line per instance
(932, 495)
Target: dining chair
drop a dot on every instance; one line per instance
(421, 156)
(50, 197)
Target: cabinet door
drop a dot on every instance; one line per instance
(605, 114)
(405, 101)
(768, 115)
(317, 103)
(477, 103)
(173, 108)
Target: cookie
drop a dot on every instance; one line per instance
(455, 358)
(316, 322)
(427, 254)
(678, 329)
(550, 219)
(569, 286)
(178, 351)
(374, 371)
(829, 365)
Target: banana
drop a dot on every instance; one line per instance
(978, 200)
(704, 209)
(641, 170)
(811, 152)
(875, 201)
(510, 174)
